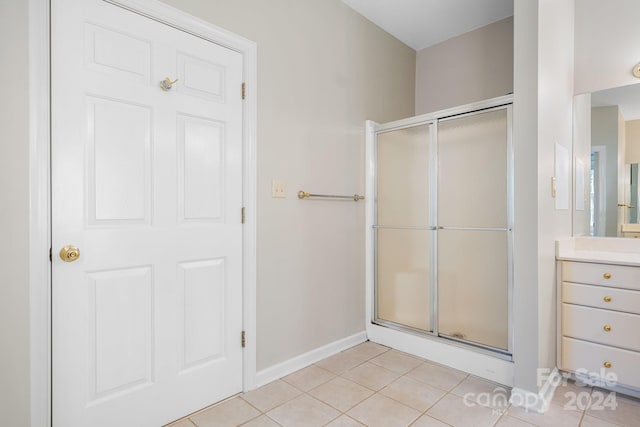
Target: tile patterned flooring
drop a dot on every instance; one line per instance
(372, 385)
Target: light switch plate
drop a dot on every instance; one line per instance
(278, 189)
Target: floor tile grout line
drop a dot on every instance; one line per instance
(253, 406)
(206, 408)
(355, 366)
(421, 412)
(434, 404)
(351, 407)
(499, 418)
(435, 386)
(267, 415)
(604, 419)
(584, 411)
(333, 419)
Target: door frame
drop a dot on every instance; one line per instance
(40, 185)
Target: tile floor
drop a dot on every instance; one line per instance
(372, 385)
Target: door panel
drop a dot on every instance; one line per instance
(201, 78)
(473, 292)
(201, 168)
(403, 269)
(119, 185)
(472, 170)
(403, 276)
(403, 177)
(203, 311)
(148, 184)
(121, 330)
(115, 52)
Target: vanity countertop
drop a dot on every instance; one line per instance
(608, 250)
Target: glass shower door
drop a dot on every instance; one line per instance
(403, 230)
(474, 227)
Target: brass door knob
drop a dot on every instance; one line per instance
(607, 275)
(166, 84)
(607, 328)
(607, 299)
(69, 253)
(607, 365)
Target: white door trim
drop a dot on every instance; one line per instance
(40, 186)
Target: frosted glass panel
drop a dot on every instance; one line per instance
(472, 286)
(403, 277)
(472, 170)
(403, 176)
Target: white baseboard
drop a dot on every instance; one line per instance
(287, 367)
(537, 402)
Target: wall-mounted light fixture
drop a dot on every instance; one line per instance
(636, 71)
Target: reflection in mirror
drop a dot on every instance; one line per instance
(606, 157)
(633, 193)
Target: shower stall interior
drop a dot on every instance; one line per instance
(440, 220)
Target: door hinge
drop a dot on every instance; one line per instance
(242, 215)
(244, 340)
(244, 90)
(50, 254)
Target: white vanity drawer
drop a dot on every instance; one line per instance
(601, 297)
(618, 276)
(586, 357)
(601, 326)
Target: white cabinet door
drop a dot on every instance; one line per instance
(147, 183)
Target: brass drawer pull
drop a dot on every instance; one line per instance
(607, 275)
(607, 328)
(607, 299)
(607, 365)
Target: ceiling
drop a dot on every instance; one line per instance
(423, 23)
(626, 97)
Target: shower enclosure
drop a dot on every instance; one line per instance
(440, 217)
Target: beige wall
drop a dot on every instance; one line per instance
(322, 70)
(14, 216)
(607, 44)
(632, 141)
(471, 67)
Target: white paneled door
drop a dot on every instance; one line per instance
(147, 185)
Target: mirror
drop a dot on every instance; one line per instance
(606, 157)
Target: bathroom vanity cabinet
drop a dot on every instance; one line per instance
(599, 313)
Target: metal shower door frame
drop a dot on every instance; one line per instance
(432, 119)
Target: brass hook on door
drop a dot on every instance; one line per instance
(166, 84)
